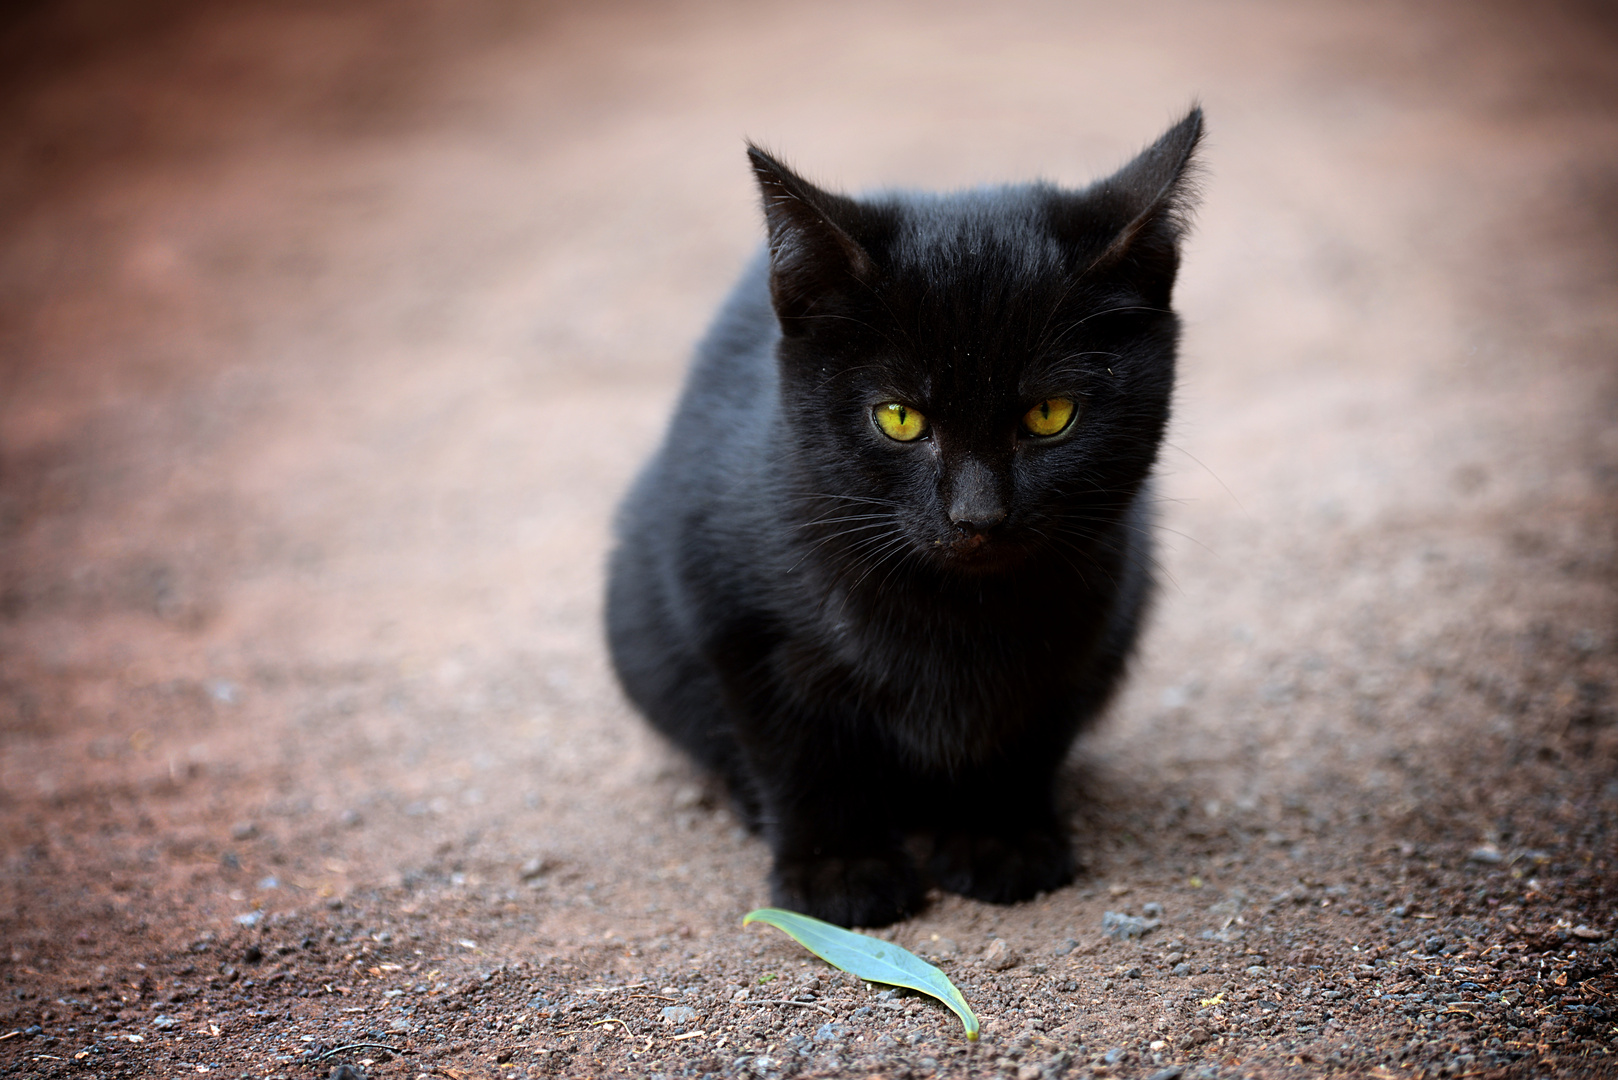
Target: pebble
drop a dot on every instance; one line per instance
(1182, 969)
(1433, 944)
(535, 867)
(999, 956)
(1173, 1072)
(679, 1014)
(1488, 853)
(163, 1023)
(1122, 927)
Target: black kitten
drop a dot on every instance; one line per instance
(894, 551)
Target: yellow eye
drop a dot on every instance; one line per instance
(900, 421)
(1049, 417)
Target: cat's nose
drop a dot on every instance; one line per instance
(980, 523)
(975, 506)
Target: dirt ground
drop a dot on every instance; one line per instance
(329, 335)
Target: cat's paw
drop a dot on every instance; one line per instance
(1002, 869)
(854, 890)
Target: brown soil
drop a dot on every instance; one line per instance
(330, 334)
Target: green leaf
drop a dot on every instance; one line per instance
(872, 959)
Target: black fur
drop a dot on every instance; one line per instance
(876, 641)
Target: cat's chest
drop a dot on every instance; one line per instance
(919, 664)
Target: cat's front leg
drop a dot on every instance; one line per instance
(849, 888)
(1000, 840)
(838, 854)
(1002, 866)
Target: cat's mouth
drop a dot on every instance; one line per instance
(974, 552)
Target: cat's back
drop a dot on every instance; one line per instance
(729, 397)
(705, 483)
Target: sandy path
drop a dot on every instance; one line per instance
(327, 340)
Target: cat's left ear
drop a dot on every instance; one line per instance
(1130, 224)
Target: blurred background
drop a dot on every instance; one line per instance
(330, 334)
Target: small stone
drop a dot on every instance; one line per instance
(1132, 973)
(1256, 969)
(679, 1014)
(999, 956)
(1488, 854)
(1182, 969)
(1029, 1072)
(243, 830)
(1152, 910)
(1065, 947)
(1121, 927)
(1588, 933)
(1173, 1072)
(1433, 944)
(163, 1023)
(538, 866)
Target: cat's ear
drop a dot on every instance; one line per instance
(1130, 224)
(814, 255)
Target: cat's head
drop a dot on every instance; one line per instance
(975, 379)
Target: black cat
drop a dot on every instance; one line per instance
(894, 551)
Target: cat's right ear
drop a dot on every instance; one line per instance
(814, 256)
